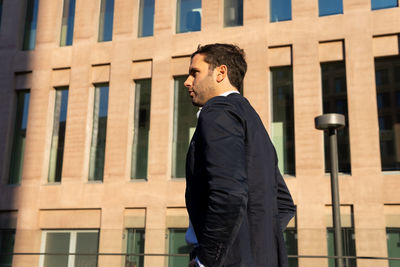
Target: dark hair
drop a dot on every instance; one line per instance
(225, 54)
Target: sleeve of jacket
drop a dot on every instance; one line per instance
(286, 206)
(223, 141)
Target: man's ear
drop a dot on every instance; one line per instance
(222, 72)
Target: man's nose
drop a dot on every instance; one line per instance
(188, 82)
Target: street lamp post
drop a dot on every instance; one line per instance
(331, 123)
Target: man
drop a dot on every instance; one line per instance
(236, 198)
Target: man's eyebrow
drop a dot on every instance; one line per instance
(193, 70)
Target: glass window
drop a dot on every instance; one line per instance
(348, 243)
(18, 148)
(65, 242)
(393, 245)
(67, 24)
(381, 4)
(106, 20)
(32, 7)
(99, 130)
(1, 11)
(387, 91)
(7, 238)
(280, 10)
(146, 18)
(58, 135)
(283, 118)
(188, 16)
(334, 97)
(135, 245)
(233, 13)
(141, 122)
(185, 122)
(290, 237)
(177, 245)
(330, 7)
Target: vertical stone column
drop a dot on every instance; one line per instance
(369, 220)
(110, 234)
(155, 236)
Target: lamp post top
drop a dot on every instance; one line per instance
(330, 121)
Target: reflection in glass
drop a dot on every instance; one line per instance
(393, 245)
(141, 122)
(188, 16)
(233, 13)
(57, 243)
(71, 245)
(185, 122)
(18, 148)
(280, 10)
(381, 4)
(106, 20)
(290, 237)
(58, 135)
(135, 245)
(67, 24)
(30, 24)
(348, 243)
(178, 245)
(283, 118)
(1, 11)
(7, 239)
(334, 96)
(146, 18)
(330, 7)
(86, 243)
(99, 130)
(388, 94)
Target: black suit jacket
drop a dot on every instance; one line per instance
(236, 198)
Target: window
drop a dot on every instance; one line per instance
(330, 7)
(283, 118)
(348, 244)
(1, 11)
(185, 122)
(65, 242)
(67, 25)
(393, 245)
(177, 245)
(334, 97)
(135, 245)
(233, 13)
(32, 7)
(290, 237)
(99, 129)
(381, 4)
(21, 121)
(188, 16)
(280, 10)
(106, 20)
(387, 73)
(141, 122)
(348, 237)
(58, 135)
(7, 238)
(146, 18)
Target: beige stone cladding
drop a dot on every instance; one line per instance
(357, 36)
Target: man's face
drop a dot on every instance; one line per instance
(200, 82)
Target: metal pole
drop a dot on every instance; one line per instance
(335, 197)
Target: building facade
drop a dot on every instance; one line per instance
(95, 123)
